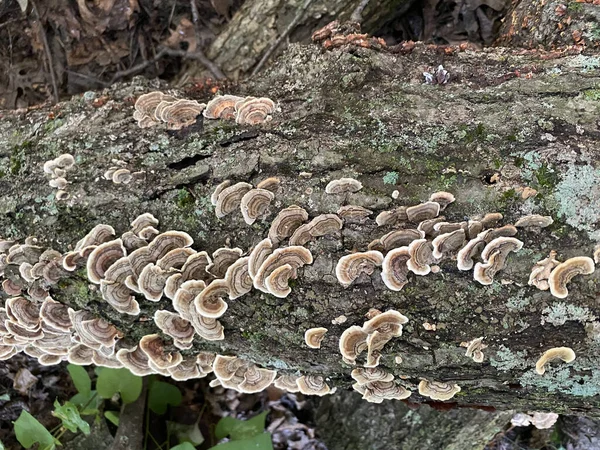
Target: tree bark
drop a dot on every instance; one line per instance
(485, 136)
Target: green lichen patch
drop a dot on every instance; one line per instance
(577, 197)
(559, 313)
(506, 360)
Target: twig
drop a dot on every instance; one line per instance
(283, 35)
(199, 54)
(48, 53)
(88, 78)
(138, 67)
(357, 13)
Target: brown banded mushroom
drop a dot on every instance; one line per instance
(142, 221)
(438, 390)
(464, 258)
(98, 235)
(541, 272)
(258, 255)
(378, 391)
(565, 354)
(154, 348)
(225, 367)
(151, 282)
(102, 257)
(286, 222)
(11, 288)
(428, 226)
(175, 259)
(475, 349)
(353, 342)
(534, 221)
(270, 184)
(375, 343)
(22, 333)
(102, 360)
(287, 383)
(424, 211)
(209, 303)
(295, 256)
(80, 355)
(18, 254)
(343, 186)
(207, 328)
(119, 296)
(148, 233)
(58, 183)
(563, 273)
(135, 360)
(313, 385)
(97, 331)
(255, 204)
(222, 259)
(314, 336)
(490, 220)
(256, 380)
(494, 256)
(350, 267)
(122, 176)
(364, 375)
(400, 238)
(277, 282)
(23, 312)
(448, 244)
(393, 217)
(443, 198)
(239, 279)
(221, 107)
(118, 271)
(174, 326)
(205, 361)
(56, 315)
(353, 213)
(394, 270)
(220, 187)
(186, 370)
(321, 225)
(253, 111)
(493, 233)
(420, 252)
(389, 322)
(184, 297)
(448, 227)
(181, 114)
(230, 198)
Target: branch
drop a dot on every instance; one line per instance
(48, 53)
(287, 31)
(199, 54)
(357, 13)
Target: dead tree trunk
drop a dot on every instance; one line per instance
(508, 133)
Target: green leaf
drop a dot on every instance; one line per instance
(4, 398)
(113, 417)
(258, 442)
(240, 429)
(1, 446)
(184, 446)
(161, 395)
(122, 381)
(91, 403)
(69, 415)
(186, 433)
(29, 431)
(80, 378)
(23, 4)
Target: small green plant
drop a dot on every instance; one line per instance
(243, 434)
(390, 178)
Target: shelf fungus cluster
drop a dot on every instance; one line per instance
(372, 337)
(564, 354)
(377, 385)
(437, 390)
(119, 174)
(57, 170)
(156, 107)
(252, 202)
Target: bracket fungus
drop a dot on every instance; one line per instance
(364, 375)
(375, 343)
(314, 336)
(257, 256)
(442, 198)
(295, 256)
(322, 225)
(353, 342)
(437, 390)
(394, 268)
(534, 220)
(209, 303)
(420, 253)
(102, 257)
(230, 198)
(222, 107)
(313, 385)
(181, 113)
(95, 332)
(253, 111)
(343, 186)
(494, 256)
(135, 360)
(392, 217)
(565, 354)
(222, 258)
(475, 349)
(378, 391)
(154, 348)
(56, 315)
(287, 383)
(388, 322)
(541, 272)
(239, 279)
(400, 238)
(286, 222)
(353, 213)
(277, 283)
(255, 204)
(564, 272)
(424, 211)
(448, 244)
(174, 326)
(350, 267)
(464, 258)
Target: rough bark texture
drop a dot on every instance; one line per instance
(258, 23)
(367, 115)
